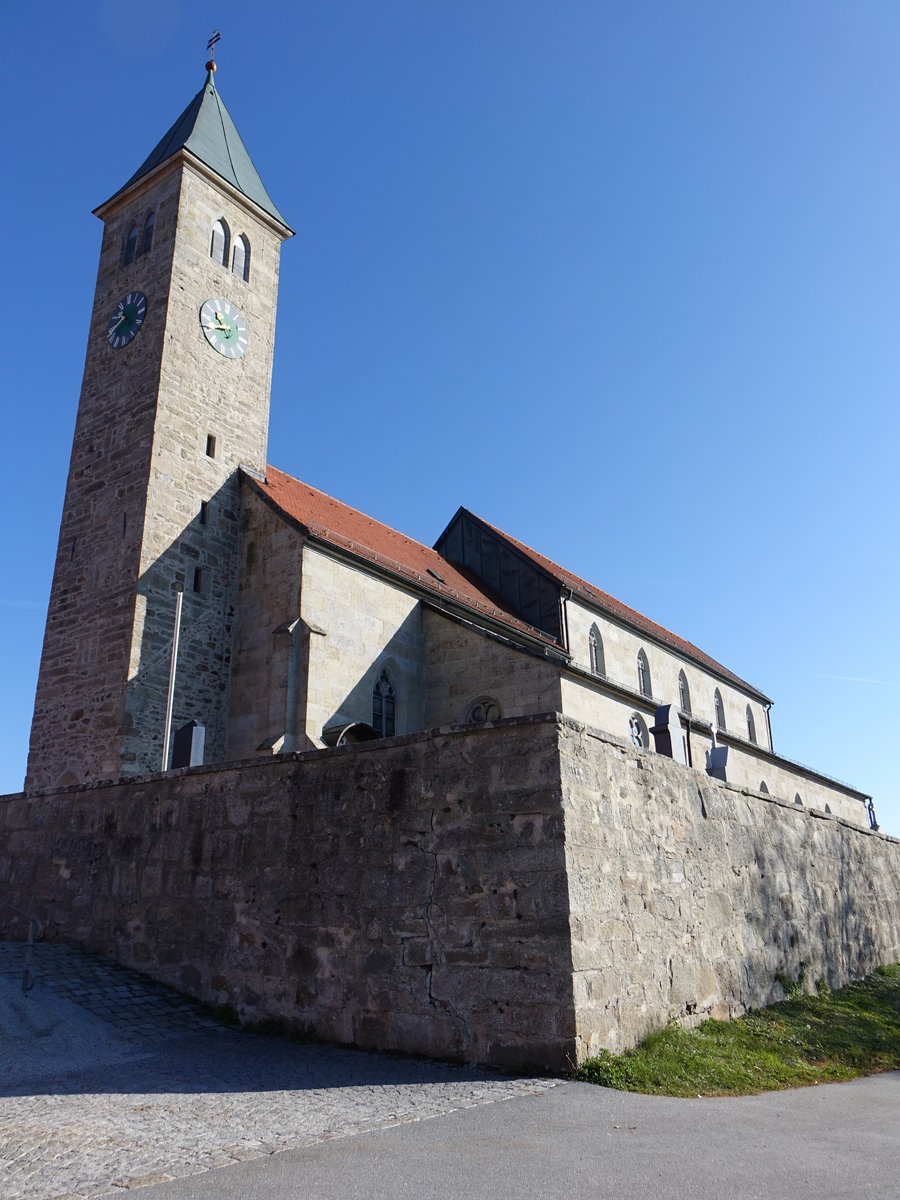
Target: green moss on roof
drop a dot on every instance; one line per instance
(208, 132)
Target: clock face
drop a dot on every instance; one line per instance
(223, 327)
(127, 319)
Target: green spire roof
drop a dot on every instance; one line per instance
(206, 129)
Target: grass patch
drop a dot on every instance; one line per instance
(807, 1039)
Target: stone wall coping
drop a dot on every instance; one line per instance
(650, 757)
(723, 735)
(272, 760)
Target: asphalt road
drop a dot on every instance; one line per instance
(577, 1142)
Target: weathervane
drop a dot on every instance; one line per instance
(211, 47)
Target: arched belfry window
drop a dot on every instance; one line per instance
(595, 650)
(751, 725)
(218, 246)
(384, 706)
(684, 693)
(763, 788)
(147, 239)
(720, 710)
(645, 687)
(130, 245)
(240, 258)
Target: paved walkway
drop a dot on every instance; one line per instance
(108, 1082)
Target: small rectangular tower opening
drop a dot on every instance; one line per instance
(204, 511)
(210, 445)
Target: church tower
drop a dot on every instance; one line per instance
(175, 398)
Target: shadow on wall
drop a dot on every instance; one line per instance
(202, 560)
(802, 901)
(389, 695)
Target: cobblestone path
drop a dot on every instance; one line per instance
(109, 1082)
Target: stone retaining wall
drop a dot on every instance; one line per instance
(522, 894)
(689, 897)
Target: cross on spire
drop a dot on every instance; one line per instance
(211, 47)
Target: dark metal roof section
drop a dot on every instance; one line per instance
(208, 132)
(522, 586)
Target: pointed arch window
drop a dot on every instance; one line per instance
(751, 725)
(147, 238)
(638, 733)
(240, 258)
(595, 650)
(763, 788)
(645, 687)
(384, 706)
(130, 245)
(219, 242)
(684, 693)
(720, 710)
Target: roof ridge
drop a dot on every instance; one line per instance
(591, 592)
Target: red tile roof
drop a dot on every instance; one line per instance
(328, 520)
(593, 595)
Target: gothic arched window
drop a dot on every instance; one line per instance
(595, 649)
(763, 788)
(751, 725)
(720, 710)
(643, 667)
(147, 239)
(240, 258)
(797, 800)
(638, 732)
(218, 246)
(384, 706)
(684, 693)
(130, 245)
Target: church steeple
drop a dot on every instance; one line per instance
(175, 399)
(206, 131)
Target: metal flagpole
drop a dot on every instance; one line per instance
(170, 702)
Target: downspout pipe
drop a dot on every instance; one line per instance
(565, 595)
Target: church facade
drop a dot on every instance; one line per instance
(303, 623)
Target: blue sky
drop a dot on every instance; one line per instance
(622, 279)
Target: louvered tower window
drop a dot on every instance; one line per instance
(240, 258)
(130, 245)
(218, 247)
(147, 239)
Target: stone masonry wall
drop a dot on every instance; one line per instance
(407, 895)
(522, 894)
(463, 665)
(688, 897)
